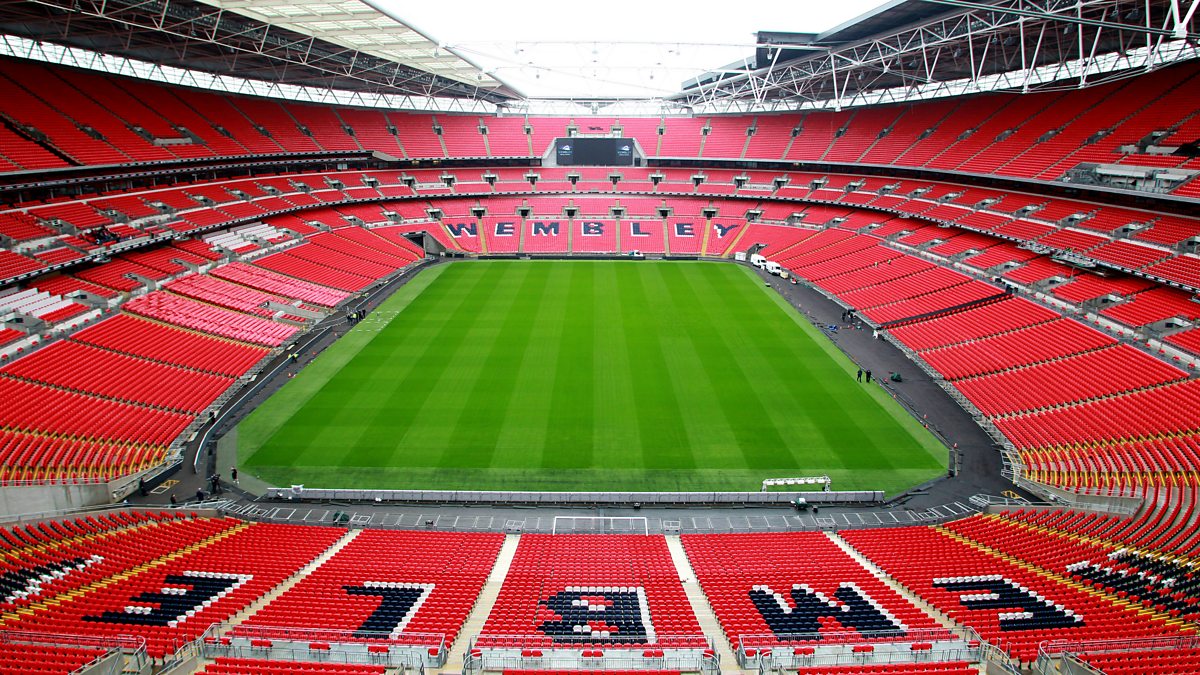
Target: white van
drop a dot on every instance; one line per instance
(758, 261)
(773, 267)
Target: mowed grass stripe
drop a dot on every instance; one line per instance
(584, 375)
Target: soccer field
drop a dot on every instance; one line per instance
(584, 375)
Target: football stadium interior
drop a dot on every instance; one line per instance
(329, 344)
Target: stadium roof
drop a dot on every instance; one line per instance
(340, 44)
(360, 52)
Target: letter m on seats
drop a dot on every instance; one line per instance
(851, 608)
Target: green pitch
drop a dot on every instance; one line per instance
(544, 375)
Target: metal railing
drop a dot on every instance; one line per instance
(683, 653)
(127, 652)
(401, 650)
(1051, 650)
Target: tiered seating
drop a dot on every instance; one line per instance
(1189, 340)
(776, 239)
(1117, 466)
(1110, 567)
(166, 344)
(643, 234)
(1161, 661)
(216, 292)
(934, 668)
(1013, 606)
(594, 235)
(34, 408)
(1154, 305)
(49, 308)
(235, 666)
(35, 456)
(79, 367)
(1091, 286)
(511, 671)
(795, 586)
(685, 235)
(15, 264)
(1038, 343)
(1076, 378)
(17, 658)
(1012, 313)
(1184, 269)
(1167, 409)
(271, 282)
(631, 575)
(186, 313)
(326, 265)
(417, 587)
(52, 558)
(215, 576)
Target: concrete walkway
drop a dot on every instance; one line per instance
(483, 605)
(709, 624)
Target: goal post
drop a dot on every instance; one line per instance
(600, 525)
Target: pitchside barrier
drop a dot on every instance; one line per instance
(789, 652)
(676, 653)
(325, 645)
(634, 499)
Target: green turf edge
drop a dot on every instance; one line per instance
(925, 438)
(294, 395)
(285, 403)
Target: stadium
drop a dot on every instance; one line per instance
(354, 338)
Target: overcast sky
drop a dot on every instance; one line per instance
(615, 48)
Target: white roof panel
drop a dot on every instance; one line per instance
(356, 25)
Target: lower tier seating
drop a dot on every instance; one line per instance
(758, 585)
(1167, 661)
(587, 591)
(18, 658)
(234, 666)
(413, 586)
(1012, 605)
(170, 599)
(950, 668)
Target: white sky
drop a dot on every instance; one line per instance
(618, 48)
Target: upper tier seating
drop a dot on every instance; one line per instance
(932, 133)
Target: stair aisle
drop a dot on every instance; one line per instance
(483, 605)
(700, 607)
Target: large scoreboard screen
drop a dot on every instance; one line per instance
(594, 151)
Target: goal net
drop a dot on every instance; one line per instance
(600, 525)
